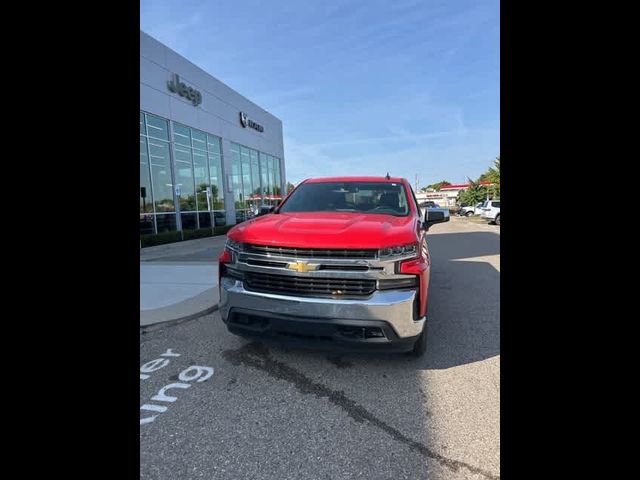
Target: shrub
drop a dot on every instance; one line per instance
(223, 229)
(160, 238)
(197, 233)
(171, 237)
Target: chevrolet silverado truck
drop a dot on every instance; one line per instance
(341, 262)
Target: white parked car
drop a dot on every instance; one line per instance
(467, 211)
(491, 211)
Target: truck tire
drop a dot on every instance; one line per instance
(420, 347)
(498, 219)
(468, 214)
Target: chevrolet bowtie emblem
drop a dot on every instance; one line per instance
(302, 267)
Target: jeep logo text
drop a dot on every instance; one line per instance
(191, 94)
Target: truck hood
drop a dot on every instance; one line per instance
(327, 230)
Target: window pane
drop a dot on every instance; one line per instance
(205, 220)
(188, 221)
(146, 224)
(263, 172)
(143, 129)
(199, 139)
(246, 175)
(184, 179)
(219, 218)
(181, 135)
(214, 144)
(217, 185)
(146, 202)
(276, 177)
(157, 127)
(201, 175)
(161, 176)
(255, 177)
(236, 175)
(270, 175)
(166, 222)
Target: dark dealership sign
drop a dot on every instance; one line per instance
(245, 121)
(191, 94)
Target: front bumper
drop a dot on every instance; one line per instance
(341, 321)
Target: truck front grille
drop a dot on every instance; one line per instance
(308, 252)
(268, 283)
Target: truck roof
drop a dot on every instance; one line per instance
(355, 179)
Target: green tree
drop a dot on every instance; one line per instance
(290, 186)
(436, 186)
(474, 194)
(493, 176)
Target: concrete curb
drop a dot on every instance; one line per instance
(187, 247)
(170, 323)
(194, 307)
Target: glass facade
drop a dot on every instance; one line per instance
(180, 165)
(196, 168)
(156, 192)
(199, 177)
(255, 177)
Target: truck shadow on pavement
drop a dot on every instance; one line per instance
(464, 299)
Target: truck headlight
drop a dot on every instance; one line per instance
(404, 251)
(234, 246)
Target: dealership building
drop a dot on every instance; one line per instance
(208, 155)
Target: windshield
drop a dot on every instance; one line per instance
(359, 197)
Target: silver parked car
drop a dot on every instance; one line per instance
(491, 211)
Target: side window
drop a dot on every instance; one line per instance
(496, 204)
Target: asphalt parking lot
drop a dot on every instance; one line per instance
(238, 409)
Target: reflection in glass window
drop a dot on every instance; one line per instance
(213, 144)
(236, 175)
(270, 175)
(201, 176)
(166, 222)
(264, 172)
(255, 177)
(216, 182)
(214, 148)
(276, 177)
(160, 162)
(189, 221)
(198, 163)
(143, 128)
(199, 139)
(157, 127)
(184, 179)
(246, 174)
(146, 204)
(181, 135)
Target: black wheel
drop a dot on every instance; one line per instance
(420, 347)
(498, 219)
(468, 214)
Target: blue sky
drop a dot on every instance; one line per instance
(362, 87)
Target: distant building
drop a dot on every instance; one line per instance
(446, 196)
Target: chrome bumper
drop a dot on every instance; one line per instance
(395, 307)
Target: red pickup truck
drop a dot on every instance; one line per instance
(341, 262)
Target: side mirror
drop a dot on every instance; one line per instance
(264, 209)
(435, 215)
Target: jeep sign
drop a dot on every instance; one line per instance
(191, 94)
